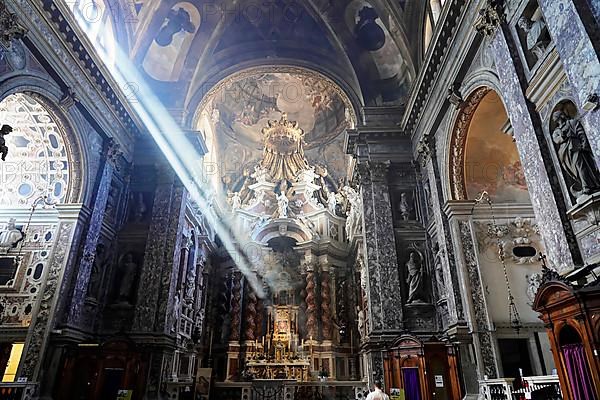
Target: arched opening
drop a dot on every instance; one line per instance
(485, 164)
(39, 161)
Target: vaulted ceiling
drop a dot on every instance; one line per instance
(184, 48)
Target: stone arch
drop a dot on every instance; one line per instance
(44, 143)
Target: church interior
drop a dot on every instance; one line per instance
(282, 199)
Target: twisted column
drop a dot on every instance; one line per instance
(311, 304)
(326, 304)
(250, 316)
(236, 307)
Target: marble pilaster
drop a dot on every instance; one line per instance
(71, 222)
(580, 59)
(383, 280)
(452, 286)
(545, 199)
(476, 311)
(162, 251)
(91, 239)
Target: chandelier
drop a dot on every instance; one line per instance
(513, 312)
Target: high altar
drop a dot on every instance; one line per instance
(298, 218)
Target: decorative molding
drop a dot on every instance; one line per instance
(458, 143)
(10, 27)
(490, 17)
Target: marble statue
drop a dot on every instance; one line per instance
(96, 273)
(405, 208)
(414, 267)
(176, 311)
(361, 321)
(190, 285)
(10, 236)
(574, 154)
(282, 205)
(331, 202)
(129, 272)
(534, 31)
(5, 130)
(140, 208)
(353, 217)
(439, 275)
(236, 201)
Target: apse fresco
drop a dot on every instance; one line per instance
(491, 160)
(241, 107)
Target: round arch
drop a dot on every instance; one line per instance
(39, 92)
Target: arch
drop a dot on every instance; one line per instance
(43, 156)
(70, 122)
(483, 156)
(207, 90)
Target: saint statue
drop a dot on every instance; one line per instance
(236, 201)
(10, 236)
(331, 202)
(439, 275)
(176, 312)
(574, 154)
(5, 130)
(405, 208)
(535, 35)
(414, 267)
(96, 273)
(129, 268)
(282, 205)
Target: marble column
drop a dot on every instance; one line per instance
(236, 308)
(156, 289)
(326, 315)
(311, 303)
(581, 60)
(250, 314)
(92, 237)
(384, 315)
(71, 220)
(545, 196)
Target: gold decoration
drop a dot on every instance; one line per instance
(283, 155)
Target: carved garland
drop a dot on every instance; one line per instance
(458, 143)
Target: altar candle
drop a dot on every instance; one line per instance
(263, 341)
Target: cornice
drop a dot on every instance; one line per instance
(433, 61)
(73, 60)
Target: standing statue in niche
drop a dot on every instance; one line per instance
(534, 30)
(414, 267)
(574, 154)
(439, 274)
(5, 130)
(96, 273)
(129, 272)
(176, 311)
(282, 205)
(405, 207)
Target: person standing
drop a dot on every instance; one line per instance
(378, 393)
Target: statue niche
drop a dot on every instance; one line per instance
(573, 152)
(534, 34)
(415, 279)
(128, 269)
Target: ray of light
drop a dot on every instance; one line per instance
(183, 157)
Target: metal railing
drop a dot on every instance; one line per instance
(16, 391)
(530, 387)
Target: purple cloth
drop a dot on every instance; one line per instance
(412, 389)
(578, 372)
